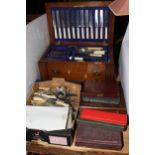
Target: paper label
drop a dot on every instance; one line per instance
(58, 140)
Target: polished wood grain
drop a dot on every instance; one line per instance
(111, 29)
(78, 4)
(43, 69)
(78, 71)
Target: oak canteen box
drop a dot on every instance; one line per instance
(81, 42)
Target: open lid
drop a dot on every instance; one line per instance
(80, 23)
(120, 7)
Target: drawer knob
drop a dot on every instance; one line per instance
(55, 71)
(96, 73)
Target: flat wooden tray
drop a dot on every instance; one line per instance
(43, 147)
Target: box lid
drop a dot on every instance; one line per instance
(107, 89)
(98, 137)
(46, 118)
(120, 7)
(80, 23)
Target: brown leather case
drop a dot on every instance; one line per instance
(98, 137)
(120, 107)
(109, 89)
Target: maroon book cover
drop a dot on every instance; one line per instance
(108, 89)
(95, 137)
(120, 107)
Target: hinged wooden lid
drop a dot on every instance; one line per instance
(57, 82)
(80, 23)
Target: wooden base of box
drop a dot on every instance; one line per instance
(43, 147)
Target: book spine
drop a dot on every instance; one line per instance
(101, 125)
(102, 116)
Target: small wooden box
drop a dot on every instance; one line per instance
(81, 24)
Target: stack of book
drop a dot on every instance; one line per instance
(101, 92)
(100, 129)
(106, 95)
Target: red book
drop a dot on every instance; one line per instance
(103, 116)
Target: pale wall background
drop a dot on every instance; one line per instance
(124, 66)
(37, 40)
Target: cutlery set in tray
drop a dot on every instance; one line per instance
(75, 53)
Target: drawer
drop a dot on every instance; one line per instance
(96, 76)
(96, 71)
(95, 68)
(77, 77)
(77, 71)
(57, 69)
(75, 67)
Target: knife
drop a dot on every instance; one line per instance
(78, 23)
(82, 23)
(91, 24)
(54, 24)
(106, 23)
(101, 24)
(87, 23)
(58, 24)
(96, 24)
(62, 18)
(68, 24)
(73, 24)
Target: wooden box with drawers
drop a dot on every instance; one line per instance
(81, 24)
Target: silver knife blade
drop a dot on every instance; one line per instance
(58, 24)
(54, 24)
